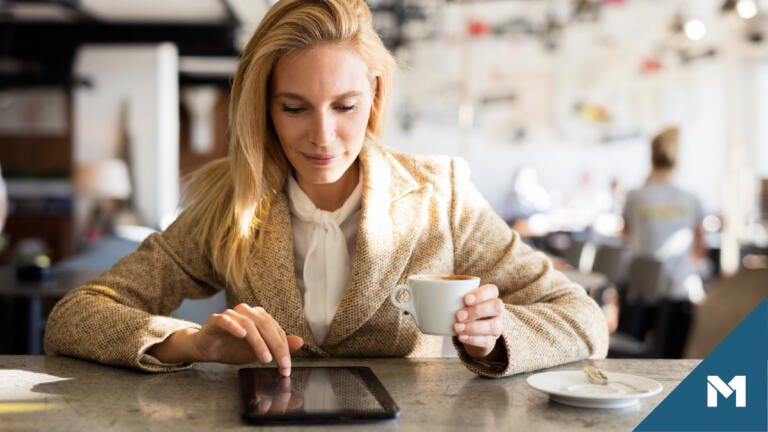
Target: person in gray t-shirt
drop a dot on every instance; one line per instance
(663, 221)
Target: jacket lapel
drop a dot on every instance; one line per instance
(273, 278)
(393, 211)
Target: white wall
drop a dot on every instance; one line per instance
(760, 115)
(146, 77)
(561, 159)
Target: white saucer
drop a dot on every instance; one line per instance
(573, 388)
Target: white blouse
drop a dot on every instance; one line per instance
(323, 247)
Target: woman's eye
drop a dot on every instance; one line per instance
(292, 110)
(345, 108)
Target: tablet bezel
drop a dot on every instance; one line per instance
(389, 411)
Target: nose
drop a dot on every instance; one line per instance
(324, 128)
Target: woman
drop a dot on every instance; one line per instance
(309, 225)
(663, 222)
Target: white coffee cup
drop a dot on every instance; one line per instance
(433, 300)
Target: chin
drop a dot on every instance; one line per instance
(318, 177)
(325, 174)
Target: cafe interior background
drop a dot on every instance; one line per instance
(106, 105)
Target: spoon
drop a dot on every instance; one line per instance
(596, 376)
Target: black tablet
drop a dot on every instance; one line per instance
(313, 395)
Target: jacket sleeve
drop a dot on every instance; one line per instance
(548, 320)
(116, 317)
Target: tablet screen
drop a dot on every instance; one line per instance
(314, 395)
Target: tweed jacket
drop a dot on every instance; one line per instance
(420, 214)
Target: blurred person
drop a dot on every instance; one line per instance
(527, 196)
(663, 221)
(607, 224)
(587, 201)
(310, 223)
(618, 196)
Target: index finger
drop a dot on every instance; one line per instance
(276, 341)
(272, 334)
(481, 294)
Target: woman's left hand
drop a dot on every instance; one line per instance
(479, 325)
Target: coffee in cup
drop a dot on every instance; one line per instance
(433, 300)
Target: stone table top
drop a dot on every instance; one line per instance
(58, 394)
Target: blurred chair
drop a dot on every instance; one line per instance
(646, 284)
(728, 302)
(581, 255)
(612, 261)
(645, 280)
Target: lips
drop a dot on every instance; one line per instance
(320, 160)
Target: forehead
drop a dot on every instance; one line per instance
(319, 72)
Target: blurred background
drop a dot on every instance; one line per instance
(106, 105)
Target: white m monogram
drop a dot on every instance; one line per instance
(738, 385)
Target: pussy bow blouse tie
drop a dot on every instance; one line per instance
(327, 262)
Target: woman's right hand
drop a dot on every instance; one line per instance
(240, 335)
(243, 335)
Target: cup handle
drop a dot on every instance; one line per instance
(408, 307)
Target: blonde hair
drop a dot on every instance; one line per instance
(228, 200)
(664, 148)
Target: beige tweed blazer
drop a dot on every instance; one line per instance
(420, 214)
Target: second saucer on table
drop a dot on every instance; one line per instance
(573, 388)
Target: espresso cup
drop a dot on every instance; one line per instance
(433, 300)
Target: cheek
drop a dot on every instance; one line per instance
(359, 123)
(352, 132)
(287, 130)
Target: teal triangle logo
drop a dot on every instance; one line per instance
(728, 390)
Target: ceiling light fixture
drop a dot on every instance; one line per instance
(695, 29)
(746, 8)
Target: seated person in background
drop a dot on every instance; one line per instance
(663, 221)
(310, 224)
(526, 199)
(527, 196)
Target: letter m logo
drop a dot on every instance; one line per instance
(737, 385)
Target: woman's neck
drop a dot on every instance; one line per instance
(331, 196)
(661, 174)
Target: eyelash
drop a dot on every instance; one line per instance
(343, 108)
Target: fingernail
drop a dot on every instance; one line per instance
(463, 338)
(462, 315)
(470, 299)
(285, 363)
(266, 357)
(285, 371)
(262, 408)
(460, 327)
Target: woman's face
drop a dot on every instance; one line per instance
(320, 103)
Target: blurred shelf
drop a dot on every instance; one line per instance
(39, 188)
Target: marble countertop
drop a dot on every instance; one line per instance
(58, 394)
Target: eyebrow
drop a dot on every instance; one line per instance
(288, 95)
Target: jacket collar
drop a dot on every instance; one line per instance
(385, 242)
(385, 178)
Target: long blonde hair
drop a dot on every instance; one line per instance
(228, 200)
